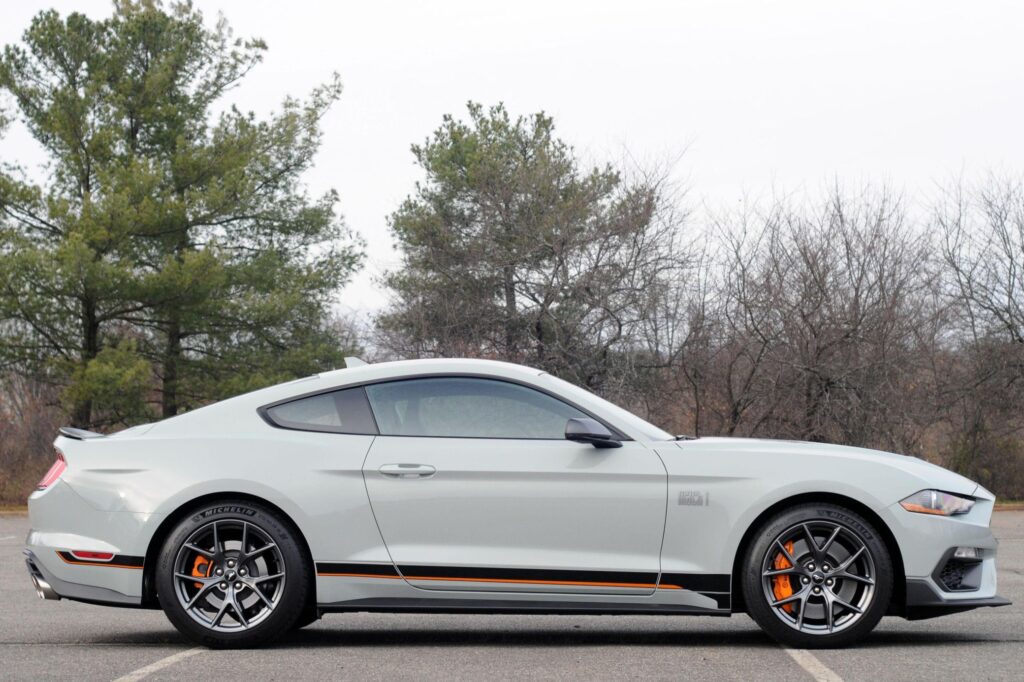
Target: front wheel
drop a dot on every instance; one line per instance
(233, 575)
(817, 575)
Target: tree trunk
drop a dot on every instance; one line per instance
(81, 414)
(81, 411)
(172, 355)
(172, 351)
(510, 313)
(697, 404)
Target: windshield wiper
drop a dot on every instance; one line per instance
(684, 437)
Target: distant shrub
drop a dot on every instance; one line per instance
(997, 463)
(28, 426)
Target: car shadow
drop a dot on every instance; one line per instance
(320, 636)
(562, 637)
(574, 636)
(553, 637)
(163, 637)
(881, 640)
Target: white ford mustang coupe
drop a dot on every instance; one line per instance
(444, 486)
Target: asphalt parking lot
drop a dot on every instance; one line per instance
(64, 640)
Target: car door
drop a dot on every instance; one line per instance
(474, 487)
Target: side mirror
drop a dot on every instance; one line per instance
(591, 431)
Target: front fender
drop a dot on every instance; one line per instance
(719, 487)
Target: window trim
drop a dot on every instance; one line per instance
(263, 410)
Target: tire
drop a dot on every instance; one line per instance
(219, 596)
(809, 598)
(306, 619)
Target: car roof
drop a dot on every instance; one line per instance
(215, 413)
(401, 368)
(239, 413)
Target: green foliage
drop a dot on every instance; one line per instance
(187, 231)
(118, 379)
(512, 250)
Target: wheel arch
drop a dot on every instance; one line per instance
(165, 528)
(897, 603)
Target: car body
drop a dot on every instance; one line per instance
(411, 509)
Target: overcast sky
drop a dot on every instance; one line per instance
(763, 97)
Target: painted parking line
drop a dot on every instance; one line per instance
(809, 662)
(148, 670)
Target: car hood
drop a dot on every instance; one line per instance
(930, 475)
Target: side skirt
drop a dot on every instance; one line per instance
(713, 586)
(497, 606)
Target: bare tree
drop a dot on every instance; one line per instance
(838, 319)
(982, 235)
(819, 317)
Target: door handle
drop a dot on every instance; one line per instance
(407, 470)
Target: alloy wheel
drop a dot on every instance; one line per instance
(229, 575)
(818, 577)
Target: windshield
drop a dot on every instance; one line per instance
(628, 419)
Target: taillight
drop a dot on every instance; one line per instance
(54, 473)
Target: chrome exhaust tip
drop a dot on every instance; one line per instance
(43, 589)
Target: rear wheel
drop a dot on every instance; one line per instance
(817, 575)
(233, 575)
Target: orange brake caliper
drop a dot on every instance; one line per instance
(201, 569)
(781, 586)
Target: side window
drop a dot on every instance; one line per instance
(344, 411)
(464, 407)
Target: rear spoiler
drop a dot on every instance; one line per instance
(79, 434)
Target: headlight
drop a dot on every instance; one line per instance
(938, 503)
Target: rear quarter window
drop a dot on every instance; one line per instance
(344, 411)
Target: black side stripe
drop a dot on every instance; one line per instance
(699, 582)
(119, 561)
(350, 569)
(455, 572)
(710, 584)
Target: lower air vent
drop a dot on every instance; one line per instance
(959, 575)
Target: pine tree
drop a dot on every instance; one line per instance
(173, 254)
